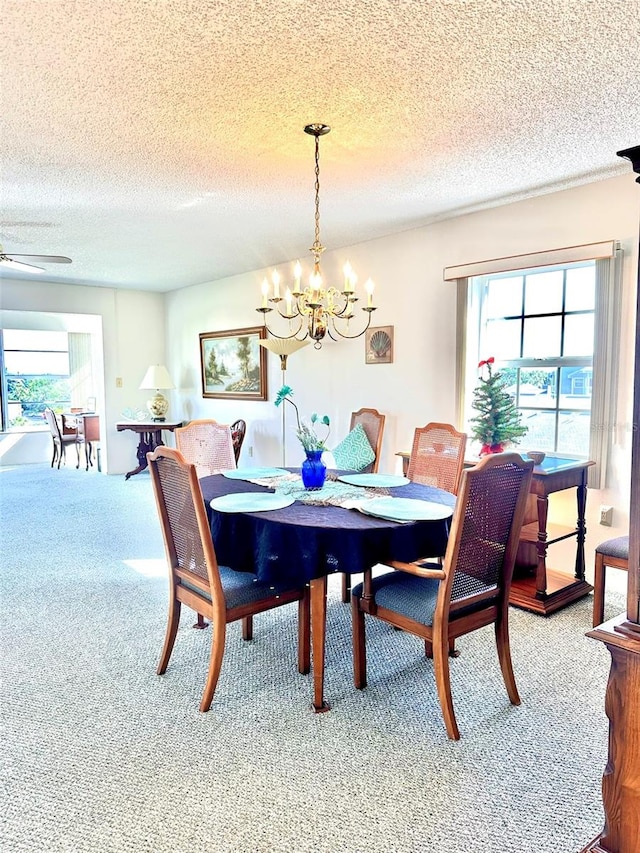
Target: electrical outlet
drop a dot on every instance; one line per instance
(606, 515)
(118, 381)
(251, 450)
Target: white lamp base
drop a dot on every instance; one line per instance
(158, 407)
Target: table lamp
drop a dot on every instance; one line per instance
(157, 377)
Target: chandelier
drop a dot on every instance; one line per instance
(316, 310)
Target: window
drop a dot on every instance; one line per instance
(35, 376)
(550, 320)
(539, 326)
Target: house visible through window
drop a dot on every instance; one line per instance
(538, 324)
(35, 376)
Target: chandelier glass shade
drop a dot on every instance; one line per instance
(315, 310)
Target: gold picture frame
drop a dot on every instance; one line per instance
(233, 366)
(378, 345)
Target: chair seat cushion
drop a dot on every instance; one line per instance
(354, 452)
(406, 594)
(618, 548)
(239, 588)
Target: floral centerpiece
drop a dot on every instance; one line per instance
(498, 419)
(306, 432)
(313, 470)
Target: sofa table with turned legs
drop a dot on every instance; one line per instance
(150, 433)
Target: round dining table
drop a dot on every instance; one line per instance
(304, 543)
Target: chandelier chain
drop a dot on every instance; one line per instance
(316, 244)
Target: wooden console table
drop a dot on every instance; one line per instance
(150, 433)
(536, 587)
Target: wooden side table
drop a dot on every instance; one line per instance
(536, 587)
(150, 433)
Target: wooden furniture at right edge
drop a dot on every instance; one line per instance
(621, 779)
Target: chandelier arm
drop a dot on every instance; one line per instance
(287, 337)
(348, 337)
(341, 312)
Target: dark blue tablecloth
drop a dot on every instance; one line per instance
(303, 542)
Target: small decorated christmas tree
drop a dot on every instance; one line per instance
(498, 420)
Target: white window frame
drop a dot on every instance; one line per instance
(608, 258)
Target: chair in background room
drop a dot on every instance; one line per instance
(196, 578)
(469, 591)
(62, 440)
(208, 445)
(614, 553)
(238, 432)
(372, 422)
(437, 456)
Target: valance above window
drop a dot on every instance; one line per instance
(568, 255)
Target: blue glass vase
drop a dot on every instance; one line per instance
(313, 470)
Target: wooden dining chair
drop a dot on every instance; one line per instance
(208, 445)
(613, 553)
(372, 423)
(61, 440)
(195, 577)
(437, 456)
(238, 432)
(469, 591)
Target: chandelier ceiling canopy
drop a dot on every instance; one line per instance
(317, 309)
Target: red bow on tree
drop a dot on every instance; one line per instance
(488, 361)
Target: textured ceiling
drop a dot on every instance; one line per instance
(159, 143)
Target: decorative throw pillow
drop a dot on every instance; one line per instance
(354, 452)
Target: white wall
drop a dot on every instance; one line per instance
(133, 337)
(412, 296)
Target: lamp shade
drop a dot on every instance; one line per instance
(157, 376)
(283, 346)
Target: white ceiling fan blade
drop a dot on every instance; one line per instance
(18, 266)
(44, 259)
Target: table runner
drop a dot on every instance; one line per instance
(333, 493)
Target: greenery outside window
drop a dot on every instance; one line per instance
(35, 376)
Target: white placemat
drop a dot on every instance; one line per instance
(251, 502)
(253, 473)
(406, 509)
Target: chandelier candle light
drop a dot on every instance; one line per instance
(316, 310)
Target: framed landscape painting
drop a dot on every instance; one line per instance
(233, 365)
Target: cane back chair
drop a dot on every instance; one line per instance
(198, 581)
(372, 423)
(470, 590)
(437, 456)
(207, 445)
